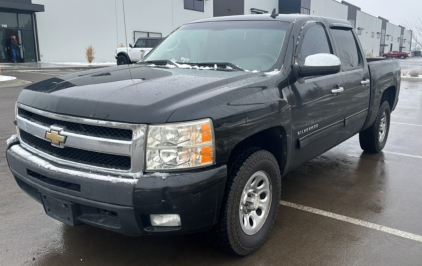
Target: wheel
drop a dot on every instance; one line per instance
(402, 57)
(385, 57)
(373, 139)
(250, 203)
(122, 60)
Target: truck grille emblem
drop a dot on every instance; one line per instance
(54, 136)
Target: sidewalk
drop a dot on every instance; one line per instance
(7, 67)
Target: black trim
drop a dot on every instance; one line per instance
(305, 141)
(340, 26)
(22, 6)
(36, 36)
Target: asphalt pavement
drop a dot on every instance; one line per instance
(345, 207)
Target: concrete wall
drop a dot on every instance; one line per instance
(66, 28)
(368, 37)
(267, 5)
(395, 33)
(329, 8)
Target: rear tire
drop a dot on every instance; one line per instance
(402, 57)
(250, 203)
(373, 139)
(122, 60)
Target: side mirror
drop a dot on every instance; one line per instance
(319, 65)
(130, 45)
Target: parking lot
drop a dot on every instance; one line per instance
(345, 207)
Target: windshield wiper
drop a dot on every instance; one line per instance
(219, 64)
(160, 62)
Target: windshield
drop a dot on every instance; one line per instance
(250, 45)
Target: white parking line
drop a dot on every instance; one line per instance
(403, 154)
(346, 219)
(408, 107)
(414, 125)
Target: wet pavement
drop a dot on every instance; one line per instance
(382, 189)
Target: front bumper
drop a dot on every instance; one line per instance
(123, 205)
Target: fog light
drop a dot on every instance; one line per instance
(165, 219)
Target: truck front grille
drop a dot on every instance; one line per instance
(77, 155)
(108, 147)
(89, 130)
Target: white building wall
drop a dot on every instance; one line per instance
(267, 5)
(66, 28)
(370, 35)
(393, 32)
(407, 36)
(329, 8)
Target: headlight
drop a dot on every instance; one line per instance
(180, 145)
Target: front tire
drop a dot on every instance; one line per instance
(122, 60)
(402, 57)
(250, 204)
(373, 139)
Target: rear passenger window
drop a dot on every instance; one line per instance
(314, 42)
(151, 43)
(347, 48)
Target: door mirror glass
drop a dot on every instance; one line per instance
(318, 65)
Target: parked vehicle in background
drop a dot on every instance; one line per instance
(197, 136)
(395, 54)
(132, 54)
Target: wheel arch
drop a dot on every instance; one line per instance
(273, 139)
(389, 95)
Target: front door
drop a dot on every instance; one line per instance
(317, 114)
(356, 80)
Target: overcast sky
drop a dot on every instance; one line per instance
(396, 11)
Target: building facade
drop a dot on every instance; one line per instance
(60, 31)
(18, 17)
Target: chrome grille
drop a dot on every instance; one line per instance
(95, 131)
(102, 146)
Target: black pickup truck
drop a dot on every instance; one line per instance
(197, 136)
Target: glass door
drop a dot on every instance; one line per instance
(3, 47)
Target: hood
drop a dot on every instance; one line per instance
(132, 94)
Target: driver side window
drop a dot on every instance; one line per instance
(314, 42)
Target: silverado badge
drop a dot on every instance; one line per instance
(54, 136)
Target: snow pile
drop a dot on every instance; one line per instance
(46, 165)
(162, 175)
(12, 139)
(6, 78)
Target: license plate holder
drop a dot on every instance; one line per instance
(61, 210)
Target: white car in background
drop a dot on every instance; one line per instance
(132, 54)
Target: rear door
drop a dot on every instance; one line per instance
(317, 113)
(356, 80)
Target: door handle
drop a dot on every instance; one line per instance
(337, 91)
(365, 82)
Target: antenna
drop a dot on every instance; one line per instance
(124, 19)
(274, 14)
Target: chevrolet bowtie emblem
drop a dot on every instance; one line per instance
(54, 136)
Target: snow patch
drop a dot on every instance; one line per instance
(273, 73)
(84, 63)
(6, 78)
(162, 175)
(46, 165)
(12, 139)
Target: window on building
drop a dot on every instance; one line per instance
(372, 34)
(348, 49)
(314, 42)
(196, 5)
(8, 20)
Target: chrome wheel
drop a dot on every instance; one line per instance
(382, 127)
(255, 203)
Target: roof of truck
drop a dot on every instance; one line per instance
(267, 16)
